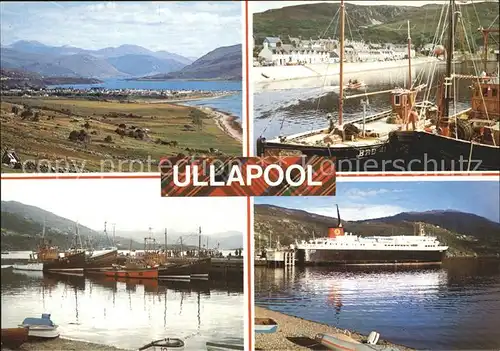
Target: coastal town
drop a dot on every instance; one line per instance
(273, 51)
(99, 92)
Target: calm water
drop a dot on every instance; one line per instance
(231, 104)
(125, 314)
(208, 85)
(456, 306)
(289, 111)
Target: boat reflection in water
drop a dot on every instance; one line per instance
(450, 307)
(103, 309)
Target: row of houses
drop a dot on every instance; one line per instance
(275, 52)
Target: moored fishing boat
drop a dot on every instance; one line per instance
(72, 262)
(164, 345)
(129, 272)
(96, 262)
(265, 326)
(357, 145)
(14, 337)
(35, 266)
(189, 269)
(467, 140)
(41, 328)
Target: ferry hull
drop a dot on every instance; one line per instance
(353, 257)
(450, 154)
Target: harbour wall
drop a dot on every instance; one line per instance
(318, 75)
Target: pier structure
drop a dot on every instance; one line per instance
(280, 257)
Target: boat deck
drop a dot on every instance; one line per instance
(379, 126)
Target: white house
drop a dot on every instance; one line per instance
(272, 42)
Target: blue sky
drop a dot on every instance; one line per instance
(185, 28)
(379, 199)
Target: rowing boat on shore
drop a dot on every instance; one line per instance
(341, 342)
(164, 344)
(226, 344)
(14, 337)
(265, 326)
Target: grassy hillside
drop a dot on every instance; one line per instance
(378, 24)
(480, 236)
(172, 130)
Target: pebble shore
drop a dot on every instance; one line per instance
(302, 333)
(61, 344)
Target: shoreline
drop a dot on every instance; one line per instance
(65, 344)
(290, 327)
(227, 123)
(180, 101)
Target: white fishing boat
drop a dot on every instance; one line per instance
(35, 266)
(164, 345)
(42, 328)
(226, 344)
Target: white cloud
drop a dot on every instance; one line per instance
(360, 194)
(185, 28)
(360, 212)
(133, 204)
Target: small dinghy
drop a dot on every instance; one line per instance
(42, 328)
(265, 325)
(342, 342)
(13, 338)
(164, 345)
(226, 344)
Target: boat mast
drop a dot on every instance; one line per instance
(341, 74)
(409, 57)
(165, 240)
(449, 57)
(199, 242)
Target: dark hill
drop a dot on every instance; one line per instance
(223, 63)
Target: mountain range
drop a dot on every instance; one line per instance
(222, 63)
(465, 233)
(22, 225)
(372, 23)
(125, 61)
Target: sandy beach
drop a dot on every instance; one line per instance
(226, 123)
(298, 334)
(62, 344)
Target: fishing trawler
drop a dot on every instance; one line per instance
(348, 249)
(359, 141)
(73, 260)
(460, 140)
(44, 253)
(104, 258)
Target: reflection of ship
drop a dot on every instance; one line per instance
(340, 282)
(344, 248)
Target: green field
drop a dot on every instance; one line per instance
(187, 130)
